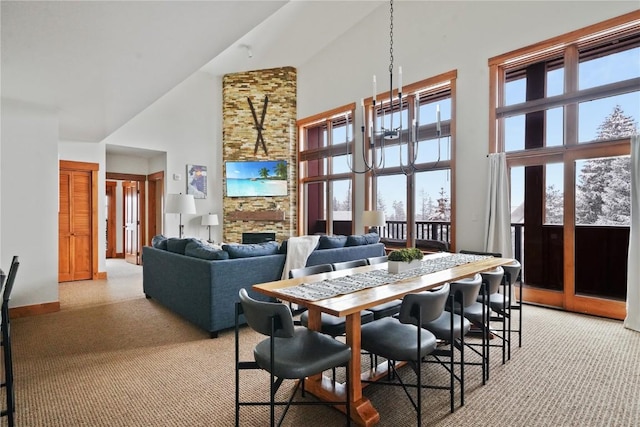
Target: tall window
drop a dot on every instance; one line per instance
(326, 183)
(564, 111)
(414, 187)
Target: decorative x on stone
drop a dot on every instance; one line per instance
(259, 125)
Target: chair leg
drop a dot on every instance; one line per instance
(452, 376)
(504, 335)
(462, 344)
(348, 406)
(8, 368)
(520, 317)
(485, 336)
(509, 331)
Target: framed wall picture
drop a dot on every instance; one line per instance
(197, 181)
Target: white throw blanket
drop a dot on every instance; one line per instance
(298, 250)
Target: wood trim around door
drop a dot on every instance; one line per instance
(155, 184)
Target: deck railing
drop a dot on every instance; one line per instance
(427, 230)
(439, 230)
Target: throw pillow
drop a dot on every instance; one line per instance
(159, 242)
(215, 246)
(251, 249)
(178, 245)
(198, 250)
(330, 242)
(371, 238)
(356, 240)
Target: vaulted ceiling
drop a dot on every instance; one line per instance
(100, 63)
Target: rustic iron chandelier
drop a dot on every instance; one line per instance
(379, 135)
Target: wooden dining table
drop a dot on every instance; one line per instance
(350, 305)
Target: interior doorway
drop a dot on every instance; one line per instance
(132, 203)
(110, 204)
(155, 204)
(132, 215)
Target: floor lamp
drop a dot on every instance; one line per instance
(180, 204)
(209, 220)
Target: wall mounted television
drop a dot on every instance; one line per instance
(256, 178)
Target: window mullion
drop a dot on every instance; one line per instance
(611, 89)
(571, 61)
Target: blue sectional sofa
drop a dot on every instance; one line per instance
(201, 283)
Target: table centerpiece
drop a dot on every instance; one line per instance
(404, 259)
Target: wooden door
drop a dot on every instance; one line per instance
(75, 226)
(111, 218)
(131, 221)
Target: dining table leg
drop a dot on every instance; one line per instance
(362, 411)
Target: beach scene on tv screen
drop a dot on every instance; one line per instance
(259, 178)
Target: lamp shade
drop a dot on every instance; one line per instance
(180, 204)
(373, 218)
(210, 219)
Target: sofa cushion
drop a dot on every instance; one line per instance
(197, 250)
(356, 240)
(331, 242)
(251, 249)
(159, 242)
(178, 245)
(371, 238)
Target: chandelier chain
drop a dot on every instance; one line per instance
(391, 37)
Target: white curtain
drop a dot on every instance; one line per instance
(632, 321)
(498, 232)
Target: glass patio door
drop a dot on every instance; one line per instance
(596, 234)
(574, 209)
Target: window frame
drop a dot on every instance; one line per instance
(328, 120)
(571, 49)
(443, 86)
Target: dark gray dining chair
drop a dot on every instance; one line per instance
(377, 259)
(349, 264)
(473, 289)
(9, 411)
(500, 309)
(307, 271)
(512, 276)
(390, 308)
(401, 339)
(310, 270)
(450, 329)
(333, 325)
(499, 303)
(287, 353)
(336, 326)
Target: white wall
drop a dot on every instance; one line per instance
(187, 124)
(29, 192)
(434, 37)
